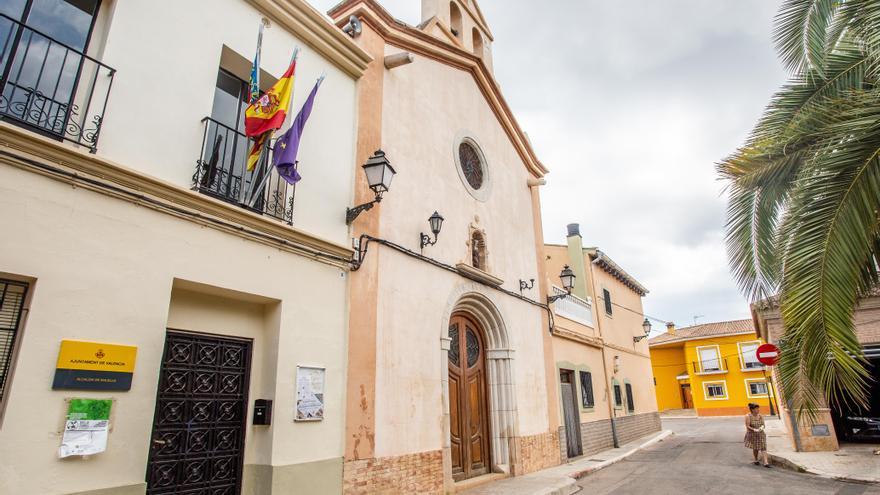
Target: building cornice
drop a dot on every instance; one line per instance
(683, 340)
(103, 176)
(408, 38)
(308, 24)
(577, 337)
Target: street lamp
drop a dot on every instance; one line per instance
(436, 223)
(379, 174)
(567, 277)
(646, 326)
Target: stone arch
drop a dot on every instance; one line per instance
(474, 300)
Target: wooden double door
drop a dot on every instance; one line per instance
(468, 404)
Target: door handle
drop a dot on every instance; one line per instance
(159, 442)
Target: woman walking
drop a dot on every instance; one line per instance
(755, 438)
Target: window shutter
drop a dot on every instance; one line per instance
(587, 389)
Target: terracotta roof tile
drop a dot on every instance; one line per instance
(706, 330)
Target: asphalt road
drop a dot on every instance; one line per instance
(706, 456)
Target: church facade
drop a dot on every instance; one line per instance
(449, 366)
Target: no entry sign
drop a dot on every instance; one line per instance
(768, 354)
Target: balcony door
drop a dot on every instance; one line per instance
(43, 61)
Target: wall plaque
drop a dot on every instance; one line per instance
(821, 431)
(94, 366)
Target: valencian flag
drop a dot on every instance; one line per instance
(254, 86)
(287, 145)
(268, 112)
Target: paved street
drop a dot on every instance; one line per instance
(706, 456)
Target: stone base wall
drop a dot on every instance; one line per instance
(632, 427)
(539, 452)
(596, 436)
(411, 473)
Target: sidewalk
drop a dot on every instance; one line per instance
(562, 480)
(853, 462)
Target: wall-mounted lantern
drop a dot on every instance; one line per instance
(646, 327)
(567, 278)
(379, 174)
(436, 223)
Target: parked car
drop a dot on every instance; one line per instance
(861, 429)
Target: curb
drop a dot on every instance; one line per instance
(592, 469)
(790, 465)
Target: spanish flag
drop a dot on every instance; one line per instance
(257, 149)
(268, 112)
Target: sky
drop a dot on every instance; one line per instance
(630, 105)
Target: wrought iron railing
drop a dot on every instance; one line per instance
(573, 307)
(221, 172)
(50, 87)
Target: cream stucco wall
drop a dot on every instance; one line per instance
(426, 105)
(167, 57)
(105, 271)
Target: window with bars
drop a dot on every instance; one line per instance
(606, 296)
(587, 389)
(618, 397)
(12, 296)
(630, 405)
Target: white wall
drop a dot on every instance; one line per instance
(104, 272)
(167, 55)
(426, 104)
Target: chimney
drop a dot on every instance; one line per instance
(670, 328)
(576, 261)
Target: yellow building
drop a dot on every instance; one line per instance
(711, 368)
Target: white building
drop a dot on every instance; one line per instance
(122, 223)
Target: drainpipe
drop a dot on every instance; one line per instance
(582, 265)
(794, 427)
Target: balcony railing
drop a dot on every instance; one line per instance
(710, 366)
(573, 307)
(752, 366)
(221, 172)
(50, 87)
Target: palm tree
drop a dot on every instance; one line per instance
(804, 196)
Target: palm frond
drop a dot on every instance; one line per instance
(834, 238)
(800, 34)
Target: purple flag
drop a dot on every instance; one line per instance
(284, 157)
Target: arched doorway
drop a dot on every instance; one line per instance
(468, 399)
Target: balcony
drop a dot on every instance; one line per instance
(50, 87)
(221, 171)
(573, 307)
(710, 367)
(752, 366)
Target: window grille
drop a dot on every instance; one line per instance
(630, 405)
(618, 400)
(587, 389)
(12, 296)
(606, 296)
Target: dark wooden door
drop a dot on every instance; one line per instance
(468, 416)
(570, 414)
(197, 444)
(686, 400)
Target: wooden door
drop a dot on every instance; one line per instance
(197, 444)
(686, 400)
(570, 414)
(468, 417)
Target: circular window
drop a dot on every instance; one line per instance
(471, 166)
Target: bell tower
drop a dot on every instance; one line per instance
(459, 23)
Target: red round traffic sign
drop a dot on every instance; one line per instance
(767, 354)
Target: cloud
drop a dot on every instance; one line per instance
(630, 105)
